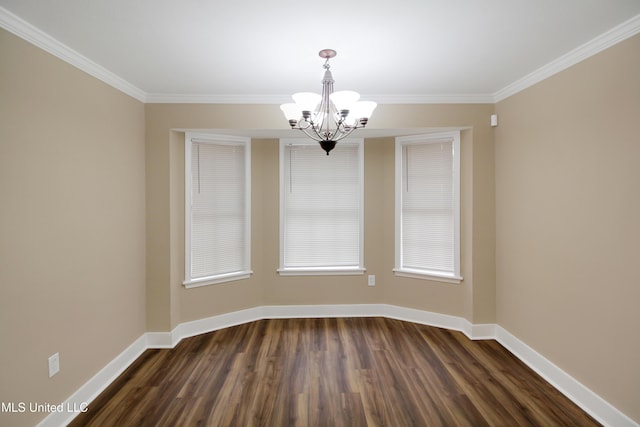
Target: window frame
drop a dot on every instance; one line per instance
(427, 273)
(245, 272)
(331, 270)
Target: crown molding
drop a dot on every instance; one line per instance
(178, 98)
(617, 34)
(39, 38)
(462, 98)
(168, 98)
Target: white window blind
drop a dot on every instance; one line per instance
(428, 206)
(217, 213)
(321, 207)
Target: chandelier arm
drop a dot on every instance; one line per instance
(322, 131)
(344, 134)
(312, 133)
(344, 130)
(307, 124)
(316, 125)
(326, 124)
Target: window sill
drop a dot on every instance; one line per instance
(427, 275)
(220, 278)
(328, 271)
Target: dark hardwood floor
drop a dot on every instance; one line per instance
(331, 372)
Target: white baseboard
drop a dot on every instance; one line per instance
(586, 399)
(316, 311)
(425, 317)
(159, 340)
(482, 331)
(201, 326)
(91, 389)
(581, 395)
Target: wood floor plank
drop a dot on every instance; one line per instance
(352, 372)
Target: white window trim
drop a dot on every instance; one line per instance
(329, 271)
(219, 278)
(427, 274)
(322, 271)
(246, 272)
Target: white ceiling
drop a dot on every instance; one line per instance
(262, 51)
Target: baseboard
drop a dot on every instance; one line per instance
(316, 311)
(590, 402)
(201, 326)
(482, 331)
(92, 388)
(160, 340)
(586, 399)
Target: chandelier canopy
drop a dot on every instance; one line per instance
(329, 117)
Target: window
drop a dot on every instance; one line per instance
(428, 206)
(217, 209)
(321, 208)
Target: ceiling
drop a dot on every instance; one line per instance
(261, 51)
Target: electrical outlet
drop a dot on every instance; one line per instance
(54, 364)
(371, 280)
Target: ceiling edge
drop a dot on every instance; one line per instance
(180, 98)
(21, 28)
(617, 34)
(167, 98)
(39, 38)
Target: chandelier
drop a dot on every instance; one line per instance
(329, 117)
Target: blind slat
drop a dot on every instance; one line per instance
(218, 212)
(427, 224)
(321, 202)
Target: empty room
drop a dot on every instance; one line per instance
(417, 213)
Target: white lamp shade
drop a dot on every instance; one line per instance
(307, 101)
(363, 109)
(351, 120)
(344, 99)
(291, 111)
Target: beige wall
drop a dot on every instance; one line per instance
(568, 221)
(170, 304)
(91, 222)
(72, 217)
